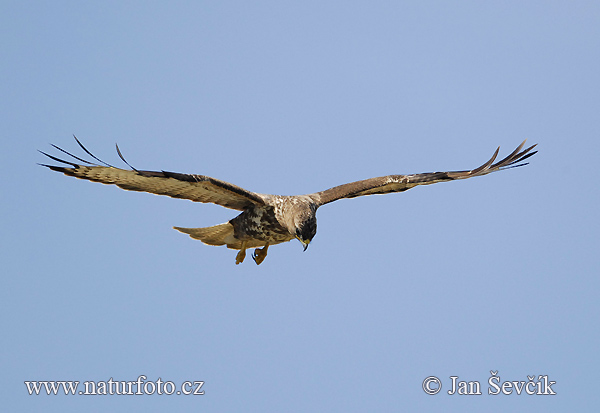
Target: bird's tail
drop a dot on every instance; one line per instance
(217, 235)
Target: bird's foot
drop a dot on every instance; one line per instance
(260, 254)
(239, 258)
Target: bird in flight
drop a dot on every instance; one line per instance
(265, 219)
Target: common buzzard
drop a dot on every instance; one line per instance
(265, 219)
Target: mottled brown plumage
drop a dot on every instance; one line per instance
(266, 219)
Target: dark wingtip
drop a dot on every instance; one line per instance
(74, 165)
(91, 154)
(486, 165)
(72, 156)
(524, 155)
(55, 168)
(123, 159)
(528, 155)
(510, 157)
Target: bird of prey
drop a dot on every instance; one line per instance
(265, 219)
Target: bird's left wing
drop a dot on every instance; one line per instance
(197, 188)
(399, 183)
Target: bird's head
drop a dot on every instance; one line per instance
(302, 219)
(306, 230)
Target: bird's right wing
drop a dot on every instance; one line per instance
(197, 188)
(400, 183)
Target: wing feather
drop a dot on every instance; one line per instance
(400, 183)
(197, 188)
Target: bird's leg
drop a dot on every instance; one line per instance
(242, 254)
(260, 254)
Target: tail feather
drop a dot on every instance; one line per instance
(221, 234)
(217, 235)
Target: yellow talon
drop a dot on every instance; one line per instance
(239, 258)
(260, 254)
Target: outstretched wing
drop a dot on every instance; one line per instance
(399, 183)
(197, 188)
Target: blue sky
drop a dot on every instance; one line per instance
(456, 279)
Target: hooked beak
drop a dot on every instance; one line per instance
(305, 243)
